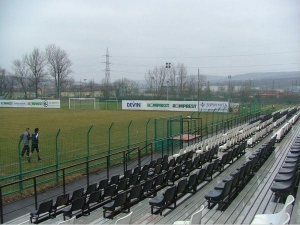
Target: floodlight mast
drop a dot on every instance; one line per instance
(168, 67)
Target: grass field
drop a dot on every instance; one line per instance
(72, 139)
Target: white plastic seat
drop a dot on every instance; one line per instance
(181, 151)
(125, 220)
(225, 146)
(276, 218)
(195, 218)
(69, 221)
(284, 219)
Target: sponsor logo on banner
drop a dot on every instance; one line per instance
(187, 106)
(191, 106)
(158, 105)
(35, 103)
(134, 104)
(30, 103)
(6, 103)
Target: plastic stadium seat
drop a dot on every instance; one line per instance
(276, 218)
(195, 218)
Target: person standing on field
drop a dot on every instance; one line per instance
(35, 144)
(26, 137)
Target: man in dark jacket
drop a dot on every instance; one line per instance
(25, 137)
(35, 144)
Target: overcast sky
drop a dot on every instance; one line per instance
(220, 37)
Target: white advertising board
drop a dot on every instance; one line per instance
(190, 106)
(38, 103)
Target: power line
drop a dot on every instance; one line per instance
(208, 56)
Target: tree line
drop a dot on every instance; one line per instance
(32, 69)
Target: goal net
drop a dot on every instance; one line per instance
(82, 103)
(112, 103)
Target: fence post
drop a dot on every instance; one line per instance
(107, 166)
(88, 143)
(64, 181)
(124, 162)
(56, 155)
(151, 151)
(213, 122)
(206, 123)
(147, 135)
(87, 174)
(35, 193)
(20, 165)
(139, 156)
(198, 117)
(128, 139)
(109, 144)
(1, 206)
(155, 136)
(169, 133)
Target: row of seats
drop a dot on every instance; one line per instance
(49, 209)
(189, 185)
(161, 172)
(243, 133)
(228, 189)
(238, 181)
(264, 128)
(287, 178)
(222, 141)
(286, 127)
(260, 135)
(224, 192)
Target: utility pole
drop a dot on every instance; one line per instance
(198, 90)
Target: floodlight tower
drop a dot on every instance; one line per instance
(168, 67)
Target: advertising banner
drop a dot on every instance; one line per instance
(190, 106)
(38, 103)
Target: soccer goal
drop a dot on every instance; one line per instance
(82, 103)
(112, 103)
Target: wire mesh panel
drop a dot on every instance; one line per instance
(164, 131)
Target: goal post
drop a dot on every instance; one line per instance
(113, 100)
(82, 103)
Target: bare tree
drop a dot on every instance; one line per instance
(59, 66)
(91, 87)
(126, 87)
(106, 88)
(6, 84)
(156, 78)
(21, 75)
(181, 79)
(173, 73)
(202, 84)
(190, 87)
(36, 62)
